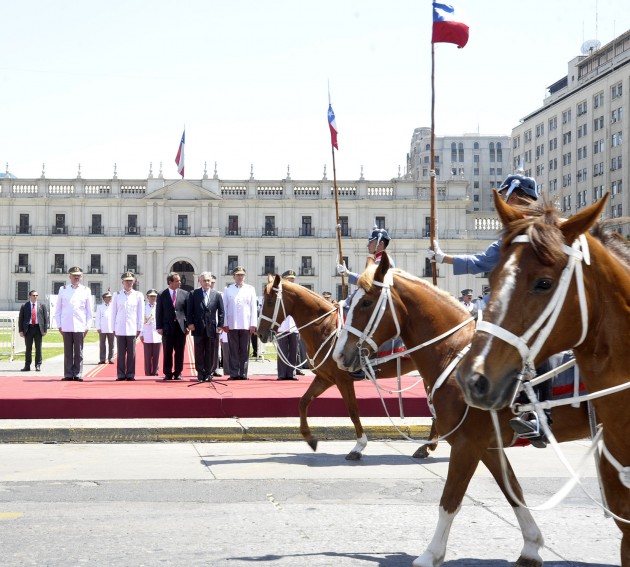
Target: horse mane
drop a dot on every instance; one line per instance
(541, 226)
(366, 282)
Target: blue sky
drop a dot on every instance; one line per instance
(115, 82)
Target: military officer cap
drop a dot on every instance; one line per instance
(128, 276)
(107, 294)
(238, 270)
(75, 271)
(152, 292)
(326, 294)
(289, 275)
(467, 291)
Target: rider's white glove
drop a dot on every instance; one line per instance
(341, 269)
(436, 255)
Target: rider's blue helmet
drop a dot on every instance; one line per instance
(380, 235)
(517, 181)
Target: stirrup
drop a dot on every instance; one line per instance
(526, 425)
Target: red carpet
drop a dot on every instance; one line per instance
(100, 396)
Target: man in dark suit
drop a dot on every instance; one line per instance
(204, 316)
(170, 317)
(33, 325)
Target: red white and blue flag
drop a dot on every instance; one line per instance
(179, 158)
(333, 127)
(446, 26)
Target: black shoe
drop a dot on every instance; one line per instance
(215, 373)
(111, 361)
(300, 373)
(25, 369)
(233, 378)
(201, 378)
(120, 379)
(38, 367)
(176, 377)
(130, 379)
(360, 375)
(167, 378)
(77, 379)
(101, 362)
(66, 379)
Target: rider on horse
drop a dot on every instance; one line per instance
(519, 190)
(378, 241)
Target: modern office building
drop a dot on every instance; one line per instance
(577, 144)
(153, 226)
(483, 161)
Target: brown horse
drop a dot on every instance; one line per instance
(547, 263)
(422, 312)
(307, 307)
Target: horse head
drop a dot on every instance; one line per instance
(271, 313)
(534, 291)
(362, 332)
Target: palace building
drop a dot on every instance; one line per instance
(153, 226)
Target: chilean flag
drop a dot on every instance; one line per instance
(333, 127)
(446, 27)
(179, 158)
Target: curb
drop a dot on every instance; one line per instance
(208, 434)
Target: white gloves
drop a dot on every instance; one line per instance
(436, 255)
(341, 269)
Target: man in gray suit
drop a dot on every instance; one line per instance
(33, 325)
(204, 316)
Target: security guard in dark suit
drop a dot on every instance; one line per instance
(33, 324)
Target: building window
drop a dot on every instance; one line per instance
(306, 266)
(182, 225)
(493, 155)
(97, 291)
(379, 222)
(132, 263)
(270, 265)
(132, 224)
(60, 224)
(56, 286)
(307, 227)
(24, 226)
(453, 152)
(21, 291)
(345, 228)
(97, 225)
(499, 152)
(232, 264)
(95, 264)
(270, 227)
(59, 266)
(233, 229)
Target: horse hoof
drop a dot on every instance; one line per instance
(527, 562)
(422, 452)
(312, 444)
(353, 456)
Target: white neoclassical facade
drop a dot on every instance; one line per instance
(577, 145)
(155, 225)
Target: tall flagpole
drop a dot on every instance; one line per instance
(432, 220)
(343, 281)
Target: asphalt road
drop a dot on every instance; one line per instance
(277, 505)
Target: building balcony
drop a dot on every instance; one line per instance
(233, 231)
(132, 231)
(59, 230)
(182, 230)
(133, 269)
(306, 231)
(95, 270)
(25, 269)
(96, 230)
(307, 271)
(59, 269)
(269, 232)
(268, 270)
(24, 229)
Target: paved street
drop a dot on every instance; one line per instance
(276, 504)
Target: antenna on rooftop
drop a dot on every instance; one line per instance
(590, 45)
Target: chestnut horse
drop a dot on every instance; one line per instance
(317, 319)
(421, 313)
(556, 287)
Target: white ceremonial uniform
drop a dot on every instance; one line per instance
(149, 330)
(288, 326)
(73, 312)
(128, 313)
(104, 321)
(241, 307)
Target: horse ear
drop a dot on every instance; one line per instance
(269, 278)
(382, 268)
(506, 213)
(276, 280)
(582, 221)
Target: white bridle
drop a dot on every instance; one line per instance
(576, 253)
(273, 320)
